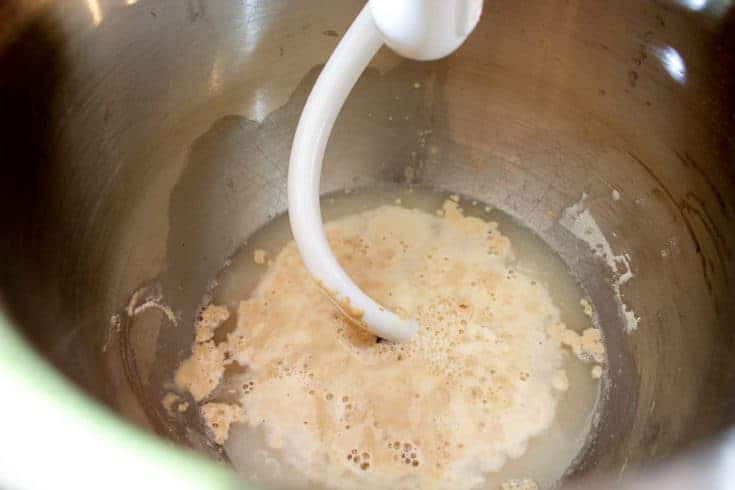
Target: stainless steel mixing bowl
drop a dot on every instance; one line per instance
(144, 140)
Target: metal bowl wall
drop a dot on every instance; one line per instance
(144, 141)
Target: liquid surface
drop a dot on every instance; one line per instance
(491, 389)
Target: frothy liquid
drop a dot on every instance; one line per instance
(488, 385)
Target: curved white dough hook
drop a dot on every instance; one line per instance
(419, 29)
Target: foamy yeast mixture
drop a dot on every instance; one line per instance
(342, 409)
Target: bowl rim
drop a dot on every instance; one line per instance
(85, 441)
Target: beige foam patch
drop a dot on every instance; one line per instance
(168, 401)
(477, 383)
(588, 346)
(210, 318)
(259, 256)
(202, 372)
(219, 417)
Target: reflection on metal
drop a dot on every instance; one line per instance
(673, 63)
(257, 26)
(215, 76)
(131, 2)
(726, 467)
(694, 4)
(94, 11)
(260, 107)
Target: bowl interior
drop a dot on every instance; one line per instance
(148, 140)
